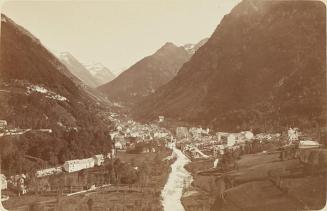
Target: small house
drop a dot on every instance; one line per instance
(3, 182)
(182, 132)
(3, 124)
(98, 159)
(119, 145)
(161, 118)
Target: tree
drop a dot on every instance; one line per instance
(90, 203)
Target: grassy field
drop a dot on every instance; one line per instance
(262, 182)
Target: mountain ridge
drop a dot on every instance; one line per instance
(146, 75)
(231, 83)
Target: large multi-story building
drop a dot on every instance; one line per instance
(77, 165)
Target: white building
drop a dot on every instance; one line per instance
(48, 171)
(77, 165)
(135, 134)
(3, 124)
(3, 182)
(231, 139)
(182, 132)
(118, 145)
(113, 134)
(293, 134)
(161, 118)
(98, 159)
(112, 154)
(160, 134)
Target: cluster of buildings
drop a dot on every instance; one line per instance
(5, 131)
(129, 135)
(203, 143)
(17, 182)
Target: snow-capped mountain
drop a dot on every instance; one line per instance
(191, 48)
(101, 73)
(76, 68)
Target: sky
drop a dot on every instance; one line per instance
(117, 33)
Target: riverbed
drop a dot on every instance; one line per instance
(177, 179)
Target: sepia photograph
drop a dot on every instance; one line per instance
(163, 105)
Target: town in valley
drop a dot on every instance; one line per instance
(235, 121)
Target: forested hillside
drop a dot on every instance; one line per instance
(264, 67)
(38, 92)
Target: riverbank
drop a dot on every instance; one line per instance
(262, 182)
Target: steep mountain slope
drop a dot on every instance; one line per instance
(144, 77)
(263, 67)
(77, 69)
(38, 92)
(101, 73)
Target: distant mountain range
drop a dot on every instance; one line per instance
(93, 75)
(144, 77)
(77, 69)
(37, 91)
(101, 73)
(264, 67)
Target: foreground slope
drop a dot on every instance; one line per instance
(263, 67)
(38, 92)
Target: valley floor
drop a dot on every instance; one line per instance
(262, 182)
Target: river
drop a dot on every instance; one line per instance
(178, 177)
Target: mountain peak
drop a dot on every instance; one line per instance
(100, 72)
(169, 45)
(167, 48)
(148, 74)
